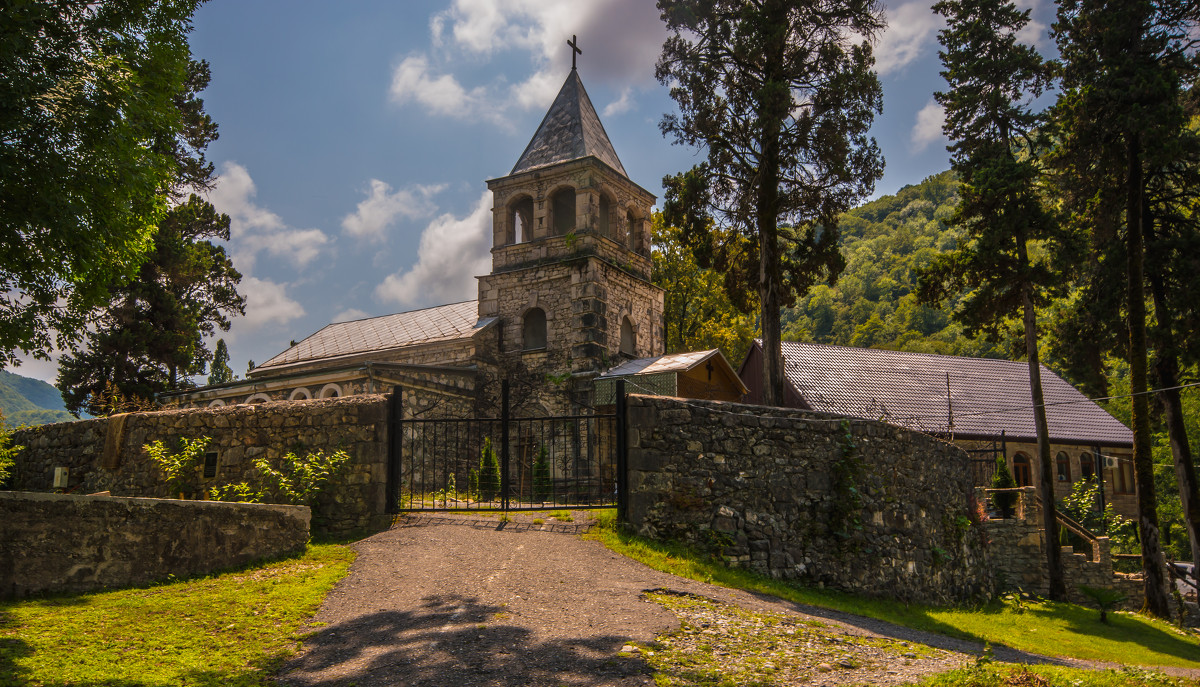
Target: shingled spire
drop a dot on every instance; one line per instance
(570, 130)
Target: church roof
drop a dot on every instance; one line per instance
(429, 325)
(570, 130)
(986, 396)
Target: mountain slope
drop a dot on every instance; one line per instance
(25, 400)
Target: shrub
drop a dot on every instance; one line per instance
(489, 472)
(1003, 479)
(178, 468)
(299, 480)
(542, 485)
(8, 453)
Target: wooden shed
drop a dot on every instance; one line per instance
(698, 374)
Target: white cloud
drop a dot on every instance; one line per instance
(383, 206)
(453, 251)
(620, 105)
(620, 40)
(254, 229)
(350, 314)
(912, 29)
(266, 302)
(928, 127)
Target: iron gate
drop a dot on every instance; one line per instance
(506, 463)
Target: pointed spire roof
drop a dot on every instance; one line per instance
(570, 130)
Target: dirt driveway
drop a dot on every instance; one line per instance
(460, 600)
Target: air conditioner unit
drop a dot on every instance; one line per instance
(1110, 462)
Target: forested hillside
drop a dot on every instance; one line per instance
(27, 401)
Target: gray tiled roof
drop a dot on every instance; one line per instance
(909, 389)
(671, 362)
(440, 323)
(570, 130)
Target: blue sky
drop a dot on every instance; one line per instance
(356, 137)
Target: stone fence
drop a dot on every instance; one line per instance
(105, 454)
(852, 504)
(58, 542)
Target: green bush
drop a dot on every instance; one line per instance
(178, 468)
(8, 453)
(489, 472)
(299, 480)
(1003, 479)
(542, 485)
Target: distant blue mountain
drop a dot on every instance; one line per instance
(28, 401)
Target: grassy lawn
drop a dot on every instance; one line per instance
(1046, 676)
(231, 629)
(1055, 629)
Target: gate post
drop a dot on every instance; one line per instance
(395, 445)
(504, 445)
(622, 456)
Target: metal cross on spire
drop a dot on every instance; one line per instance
(575, 51)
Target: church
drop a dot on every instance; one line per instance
(569, 296)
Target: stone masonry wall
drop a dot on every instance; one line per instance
(240, 434)
(771, 489)
(1017, 550)
(56, 542)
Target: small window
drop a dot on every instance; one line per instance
(630, 230)
(331, 391)
(533, 330)
(521, 221)
(1087, 469)
(562, 205)
(1063, 464)
(628, 338)
(210, 464)
(1022, 471)
(300, 394)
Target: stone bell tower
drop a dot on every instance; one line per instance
(570, 281)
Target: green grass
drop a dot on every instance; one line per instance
(1047, 676)
(233, 629)
(561, 515)
(1055, 629)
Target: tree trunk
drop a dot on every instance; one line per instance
(774, 105)
(1054, 571)
(1152, 557)
(1166, 370)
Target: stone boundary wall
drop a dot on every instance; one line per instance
(1017, 549)
(766, 489)
(64, 543)
(240, 434)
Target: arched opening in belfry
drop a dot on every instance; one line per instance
(520, 220)
(562, 207)
(628, 338)
(533, 329)
(631, 224)
(604, 225)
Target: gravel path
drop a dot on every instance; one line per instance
(471, 600)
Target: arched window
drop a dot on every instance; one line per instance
(300, 394)
(562, 208)
(1087, 468)
(533, 330)
(605, 225)
(520, 220)
(630, 230)
(258, 398)
(1062, 464)
(216, 404)
(331, 391)
(1022, 470)
(628, 338)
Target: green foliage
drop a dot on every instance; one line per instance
(150, 338)
(179, 468)
(542, 485)
(780, 95)
(101, 124)
(299, 480)
(846, 514)
(219, 371)
(697, 312)
(8, 453)
(1002, 478)
(489, 472)
(1104, 598)
(1083, 505)
(240, 492)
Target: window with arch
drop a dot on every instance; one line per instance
(1063, 467)
(520, 220)
(562, 208)
(1022, 470)
(331, 391)
(258, 398)
(628, 338)
(217, 404)
(1087, 468)
(605, 223)
(533, 330)
(630, 230)
(300, 394)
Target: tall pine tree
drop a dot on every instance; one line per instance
(781, 95)
(993, 79)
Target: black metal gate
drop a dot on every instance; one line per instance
(506, 463)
